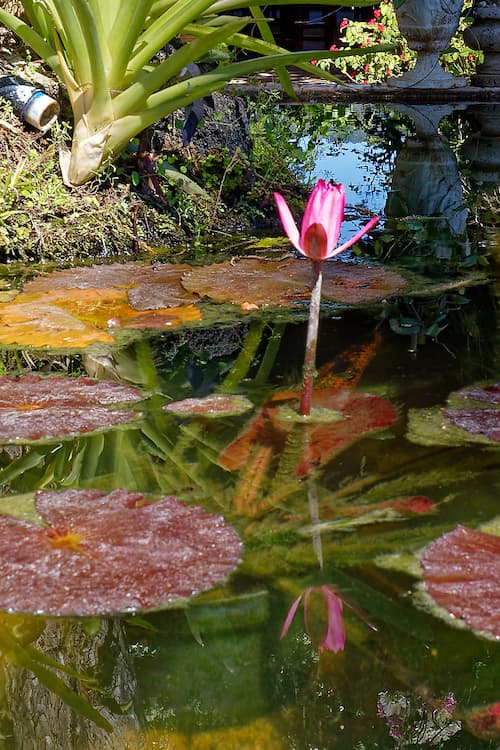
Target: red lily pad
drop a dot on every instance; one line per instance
(286, 282)
(360, 413)
(461, 573)
(35, 408)
(217, 405)
(110, 554)
(484, 721)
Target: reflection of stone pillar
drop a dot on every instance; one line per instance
(40, 719)
(484, 34)
(428, 26)
(482, 149)
(426, 182)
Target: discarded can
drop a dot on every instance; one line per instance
(31, 104)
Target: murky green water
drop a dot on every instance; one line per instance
(351, 513)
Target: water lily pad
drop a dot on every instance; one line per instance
(286, 282)
(484, 721)
(76, 318)
(461, 573)
(109, 554)
(470, 416)
(148, 286)
(40, 408)
(217, 405)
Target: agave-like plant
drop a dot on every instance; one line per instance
(106, 52)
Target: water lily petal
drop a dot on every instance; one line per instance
(288, 222)
(352, 240)
(325, 206)
(315, 242)
(290, 616)
(335, 634)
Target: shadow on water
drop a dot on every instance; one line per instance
(347, 504)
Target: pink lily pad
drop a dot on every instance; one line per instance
(217, 405)
(461, 573)
(476, 421)
(490, 393)
(38, 408)
(110, 554)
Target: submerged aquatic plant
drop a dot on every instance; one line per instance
(333, 637)
(317, 240)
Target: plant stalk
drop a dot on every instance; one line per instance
(312, 340)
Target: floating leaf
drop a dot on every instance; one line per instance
(76, 318)
(148, 287)
(287, 282)
(109, 554)
(484, 721)
(469, 417)
(476, 421)
(217, 405)
(35, 408)
(361, 413)
(461, 573)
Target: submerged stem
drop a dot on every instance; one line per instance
(312, 340)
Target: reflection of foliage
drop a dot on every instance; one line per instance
(421, 318)
(413, 722)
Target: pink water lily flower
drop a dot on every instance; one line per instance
(333, 638)
(321, 223)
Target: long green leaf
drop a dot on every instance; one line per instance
(33, 39)
(267, 36)
(123, 37)
(75, 50)
(165, 28)
(152, 80)
(98, 54)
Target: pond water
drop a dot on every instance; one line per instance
(347, 504)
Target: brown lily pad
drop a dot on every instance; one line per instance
(287, 282)
(76, 318)
(40, 408)
(360, 413)
(461, 573)
(109, 554)
(148, 286)
(217, 405)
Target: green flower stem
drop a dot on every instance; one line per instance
(312, 340)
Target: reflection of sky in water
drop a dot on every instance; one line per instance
(364, 170)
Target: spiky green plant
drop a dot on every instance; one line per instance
(106, 54)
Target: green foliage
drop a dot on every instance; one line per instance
(107, 55)
(382, 28)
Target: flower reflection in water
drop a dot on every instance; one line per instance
(332, 638)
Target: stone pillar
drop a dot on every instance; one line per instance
(484, 34)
